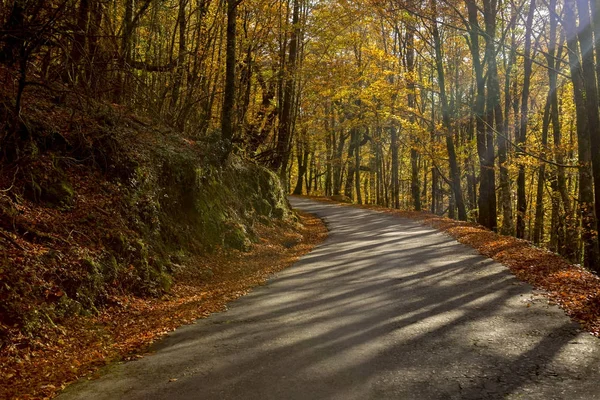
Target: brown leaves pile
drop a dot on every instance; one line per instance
(575, 289)
(78, 347)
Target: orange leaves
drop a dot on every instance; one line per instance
(38, 369)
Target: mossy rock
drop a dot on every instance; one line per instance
(237, 238)
(49, 184)
(7, 207)
(92, 286)
(279, 212)
(57, 193)
(109, 267)
(117, 242)
(263, 207)
(67, 307)
(165, 281)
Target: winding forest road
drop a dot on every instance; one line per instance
(385, 308)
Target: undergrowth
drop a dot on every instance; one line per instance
(102, 203)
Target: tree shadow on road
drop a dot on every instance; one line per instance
(387, 312)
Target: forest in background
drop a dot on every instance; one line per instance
(482, 110)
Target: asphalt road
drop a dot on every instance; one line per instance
(385, 308)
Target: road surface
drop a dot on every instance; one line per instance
(385, 308)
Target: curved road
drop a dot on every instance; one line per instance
(385, 308)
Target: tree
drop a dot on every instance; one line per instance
(399, 103)
(227, 127)
(454, 171)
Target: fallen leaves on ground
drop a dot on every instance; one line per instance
(80, 346)
(575, 289)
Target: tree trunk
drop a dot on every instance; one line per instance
(586, 42)
(91, 66)
(538, 226)
(328, 155)
(79, 41)
(177, 82)
(302, 156)
(524, 117)
(505, 187)
(560, 192)
(351, 161)
(227, 127)
(508, 227)
(357, 167)
(311, 176)
(395, 179)
(285, 118)
(338, 162)
(13, 43)
(412, 105)
(494, 122)
(586, 193)
(454, 170)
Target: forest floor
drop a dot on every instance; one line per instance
(575, 289)
(79, 346)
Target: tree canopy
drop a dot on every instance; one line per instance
(481, 110)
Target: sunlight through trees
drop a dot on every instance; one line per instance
(481, 110)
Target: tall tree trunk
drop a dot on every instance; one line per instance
(79, 40)
(328, 154)
(351, 161)
(379, 161)
(538, 226)
(395, 179)
(177, 82)
(130, 22)
(434, 173)
(412, 105)
(13, 43)
(285, 118)
(495, 121)
(338, 162)
(508, 227)
(566, 226)
(479, 111)
(91, 67)
(454, 170)
(357, 167)
(302, 156)
(586, 42)
(524, 117)
(586, 193)
(227, 127)
(313, 173)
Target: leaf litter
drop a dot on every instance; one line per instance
(60, 354)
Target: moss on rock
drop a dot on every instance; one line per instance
(168, 200)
